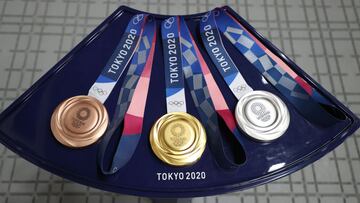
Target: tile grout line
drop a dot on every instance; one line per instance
(20, 26)
(345, 98)
(318, 79)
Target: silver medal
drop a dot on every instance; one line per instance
(262, 115)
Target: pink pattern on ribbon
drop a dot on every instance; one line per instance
(220, 104)
(134, 116)
(132, 125)
(228, 118)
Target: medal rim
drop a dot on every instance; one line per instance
(269, 133)
(65, 136)
(173, 157)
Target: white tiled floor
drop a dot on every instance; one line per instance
(322, 36)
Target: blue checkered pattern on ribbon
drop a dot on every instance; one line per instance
(197, 84)
(273, 73)
(266, 65)
(133, 74)
(201, 97)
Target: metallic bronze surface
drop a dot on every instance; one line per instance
(79, 121)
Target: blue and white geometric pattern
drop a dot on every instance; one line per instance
(132, 76)
(268, 67)
(197, 85)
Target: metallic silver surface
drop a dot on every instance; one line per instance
(262, 115)
(321, 36)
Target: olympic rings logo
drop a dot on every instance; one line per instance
(240, 88)
(138, 18)
(168, 22)
(99, 91)
(206, 16)
(176, 103)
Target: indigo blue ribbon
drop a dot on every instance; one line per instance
(119, 60)
(310, 106)
(200, 93)
(214, 46)
(127, 144)
(174, 77)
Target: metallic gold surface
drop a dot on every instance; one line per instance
(178, 139)
(79, 121)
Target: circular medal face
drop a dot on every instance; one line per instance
(262, 115)
(178, 139)
(79, 121)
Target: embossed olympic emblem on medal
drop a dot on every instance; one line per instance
(177, 138)
(262, 115)
(260, 110)
(83, 114)
(81, 120)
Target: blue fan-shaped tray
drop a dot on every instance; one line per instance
(25, 125)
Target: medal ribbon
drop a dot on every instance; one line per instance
(214, 46)
(132, 100)
(306, 86)
(304, 98)
(175, 93)
(207, 96)
(119, 60)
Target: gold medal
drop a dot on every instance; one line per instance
(79, 121)
(178, 139)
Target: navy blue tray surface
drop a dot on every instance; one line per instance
(25, 125)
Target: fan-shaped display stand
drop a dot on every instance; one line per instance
(25, 125)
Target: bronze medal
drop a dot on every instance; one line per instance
(79, 121)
